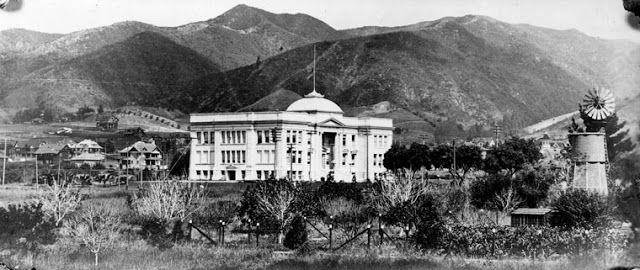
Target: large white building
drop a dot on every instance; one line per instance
(311, 140)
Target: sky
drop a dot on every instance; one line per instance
(599, 18)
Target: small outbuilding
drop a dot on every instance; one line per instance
(531, 217)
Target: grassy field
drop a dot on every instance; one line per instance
(131, 252)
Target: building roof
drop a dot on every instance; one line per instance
(88, 157)
(87, 144)
(50, 148)
(314, 102)
(142, 147)
(531, 211)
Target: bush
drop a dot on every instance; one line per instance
(28, 222)
(581, 208)
(527, 241)
(430, 227)
(297, 234)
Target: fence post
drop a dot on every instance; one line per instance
(222, 242)
(257, 234)
(369, 236)
(380, 227)
(330, 235)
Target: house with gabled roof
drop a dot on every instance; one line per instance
(141, 155)
(49, 153)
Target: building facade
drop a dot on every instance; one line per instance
(141, 155)
(312, 140)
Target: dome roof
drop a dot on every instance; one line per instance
(314, 102)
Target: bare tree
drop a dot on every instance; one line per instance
(400, 190)
(58, 202)
(169, 201)
(505, 201)
(276, 201)
(95, 226)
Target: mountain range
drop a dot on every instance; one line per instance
(455, 72)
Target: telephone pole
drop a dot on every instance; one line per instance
(497, 129)
(4, 160)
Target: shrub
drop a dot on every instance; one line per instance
(429, 227)
(27, 222)
(297, 234)
(493, 241)
(581, 208)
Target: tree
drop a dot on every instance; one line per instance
(467, 158)
(396, 157)
(398, 198)
(272, 203)
(25, 225)
(512, 156)
(100, 109)
(169, 202)
(618, 141)
(59, 201)
(581, 208)
(96, 227)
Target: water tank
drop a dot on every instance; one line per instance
(589, 156)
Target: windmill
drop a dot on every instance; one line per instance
(589, 148)
(596, 107)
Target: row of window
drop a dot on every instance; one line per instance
(381, 141)
(233, 137)
(204, 157)
(266, 156)
(234, 157)
(204, 137)
(345, 158)
(353, 140)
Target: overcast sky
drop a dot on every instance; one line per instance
(601, 18)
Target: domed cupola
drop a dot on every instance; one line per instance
(314, 102)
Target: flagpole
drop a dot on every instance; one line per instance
(314, 67)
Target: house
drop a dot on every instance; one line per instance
(87, 158)
(106, 121)
(86, 146)
(141, 155)
(49, 153)
(531, 217)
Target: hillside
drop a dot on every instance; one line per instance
(137, 70)
(22, 40)
(438, 73)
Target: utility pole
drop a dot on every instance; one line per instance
(4, 160)
(37, 182)
(496, 130)
(455, 169)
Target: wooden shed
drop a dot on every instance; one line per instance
(531, 217)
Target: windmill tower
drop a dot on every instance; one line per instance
(589, 147)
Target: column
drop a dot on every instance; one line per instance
(192, 156)
(217, 158)
(252, 142)
(280, 158)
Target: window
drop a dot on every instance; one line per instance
(259, 137)
(300, 157)
(344, 159)
(199, 137)
(266, 136)
(244, 137)
(224, 157)
(259, 174)
(211, 156)
(243, 156)
(206, 137)
(375, 159)
(199, 155)
(344, 139)
(198, 173)
(206, 174)
(288, 136)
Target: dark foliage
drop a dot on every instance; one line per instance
(582, 209)
(155, 233)
(216, 212)
(512, 155)
(617, 140)
(484, 190)
(332, 190)
(297, 234)
(429, 225)
(26, 221)
(250, 210)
